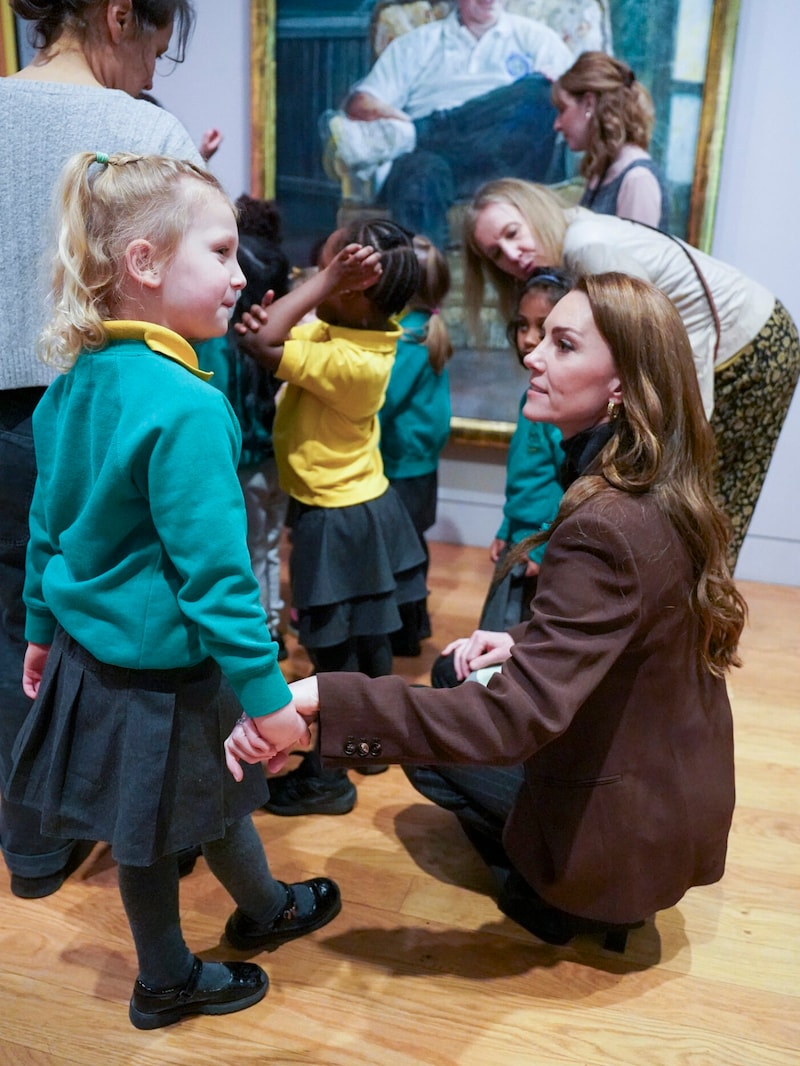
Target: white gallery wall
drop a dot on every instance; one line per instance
(757, 229)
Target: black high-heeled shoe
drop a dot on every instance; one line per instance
(520, 903)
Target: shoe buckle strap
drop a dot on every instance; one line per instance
(290, 910)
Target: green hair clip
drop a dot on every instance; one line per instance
(101, 157)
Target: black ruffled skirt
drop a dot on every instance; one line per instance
(134, 758)
(352, 567)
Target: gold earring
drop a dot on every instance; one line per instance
(612, 410)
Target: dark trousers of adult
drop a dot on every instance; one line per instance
(504, 133)
(481, 798)
(26, 851)
(508, 601)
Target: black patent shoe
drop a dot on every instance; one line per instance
(246, 985)
(245, 934)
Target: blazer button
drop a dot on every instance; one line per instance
(375, 747)
(363, 749)
(350, 747)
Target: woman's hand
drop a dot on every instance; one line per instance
(209, 143)
(270, 738)
(33, 668)
(305, 694)
(483, 648)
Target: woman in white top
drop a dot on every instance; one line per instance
(604, 112)
(745, 345)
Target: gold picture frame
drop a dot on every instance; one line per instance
(9, 60)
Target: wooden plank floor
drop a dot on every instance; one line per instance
(420, 967)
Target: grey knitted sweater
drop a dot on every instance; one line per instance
(41, 125)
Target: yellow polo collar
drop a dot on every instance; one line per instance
(158, 339)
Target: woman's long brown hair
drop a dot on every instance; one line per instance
(663, 446)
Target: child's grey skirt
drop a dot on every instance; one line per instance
(352, 567)
(134, 758)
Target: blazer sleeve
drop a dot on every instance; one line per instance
(586, 613)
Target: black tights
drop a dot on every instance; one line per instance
(366, 655)
(150, 897)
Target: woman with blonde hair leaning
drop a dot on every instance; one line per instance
(606, 113)
(744, 343)
(57, 105)
(594, 771)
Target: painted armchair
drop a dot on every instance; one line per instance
(582, 24)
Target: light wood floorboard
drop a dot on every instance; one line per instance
(421, 967)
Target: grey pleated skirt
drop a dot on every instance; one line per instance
(134, 758)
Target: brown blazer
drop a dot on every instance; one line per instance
(627, 740)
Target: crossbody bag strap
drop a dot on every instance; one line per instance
(700, 277)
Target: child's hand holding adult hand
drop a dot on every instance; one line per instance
(245, 744)
(270, 739)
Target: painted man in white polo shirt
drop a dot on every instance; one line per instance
(470, 96)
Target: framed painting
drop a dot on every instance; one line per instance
(307, 55)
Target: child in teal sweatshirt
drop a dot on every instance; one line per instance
(147, 640)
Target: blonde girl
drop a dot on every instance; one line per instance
(147, 640)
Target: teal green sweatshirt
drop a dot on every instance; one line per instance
(533, 491)
(415, 417)
(138, 529)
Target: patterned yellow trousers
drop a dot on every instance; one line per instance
(752, 393)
